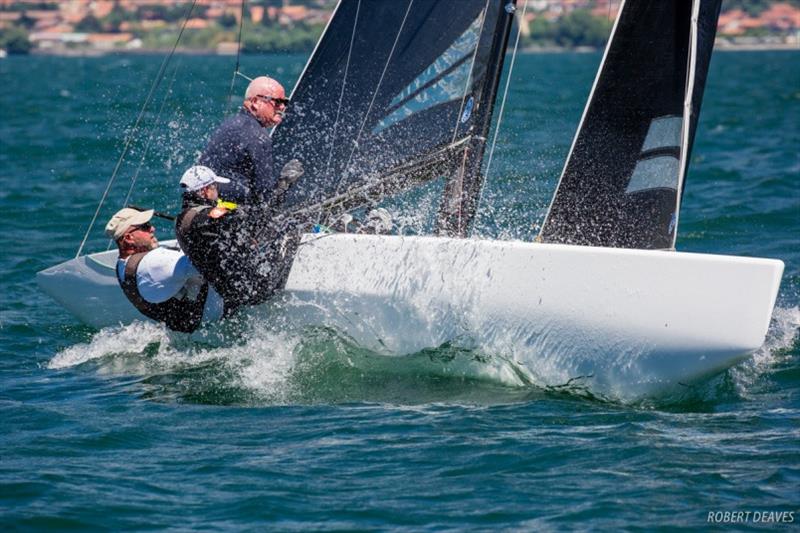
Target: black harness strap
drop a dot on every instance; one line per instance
(179, 314)
(184, 223)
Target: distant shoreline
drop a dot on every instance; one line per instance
(756, 47)
(727, 47)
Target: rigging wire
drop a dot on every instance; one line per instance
(503, 102)
(149, 141)
(129, 140)
(374, 96)
(238, 55)
(341, 96)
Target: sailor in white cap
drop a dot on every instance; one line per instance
(231, 246)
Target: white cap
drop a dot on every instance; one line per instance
(198, 177)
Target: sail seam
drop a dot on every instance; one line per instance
(428, 84)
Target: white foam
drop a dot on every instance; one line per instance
(261, 361)
(783, 330)
(118, 339)
(265, 358)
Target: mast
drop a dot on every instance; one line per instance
(460, 198)
(702, 33)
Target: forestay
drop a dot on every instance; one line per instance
(396, 93)
(623, 179)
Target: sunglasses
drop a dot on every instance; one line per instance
(142, 227)
(276, 101)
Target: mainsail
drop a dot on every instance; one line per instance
(396, 93)
(622, 183)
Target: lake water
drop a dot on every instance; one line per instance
(130, 427)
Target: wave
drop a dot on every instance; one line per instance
(781, 347)
(752, 377)
(248, 362)
(263, 366)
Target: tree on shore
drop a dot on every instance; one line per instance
(227, 21)
(15, 40)
(581, 28)
(89, 24)
(754, 7)
(298, 38)
(578, 28)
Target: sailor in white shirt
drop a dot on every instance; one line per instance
(161, 283)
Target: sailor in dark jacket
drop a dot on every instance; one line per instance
(239, 250)
(160, 282)
(241, 148)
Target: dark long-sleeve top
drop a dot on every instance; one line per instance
(241, 149)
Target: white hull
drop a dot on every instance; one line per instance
(638, 322)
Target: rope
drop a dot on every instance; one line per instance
(242, 75)
(150, 138)
(238, 55)
(131, 135)
(503, 103)
(341, 99)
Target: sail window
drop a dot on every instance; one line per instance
(664, 132)
(656, 169)
(443, 81)
(656, 173)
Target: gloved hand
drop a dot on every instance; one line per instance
(291, 172)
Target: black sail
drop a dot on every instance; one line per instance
(622, 183)
(393, 92)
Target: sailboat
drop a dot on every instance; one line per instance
(398, 93)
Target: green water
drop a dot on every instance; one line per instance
(132, 428)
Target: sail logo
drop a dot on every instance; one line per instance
(467, 109)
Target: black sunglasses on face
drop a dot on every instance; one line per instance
(276, 101)
(142, 227)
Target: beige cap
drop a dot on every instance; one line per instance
(124, 219)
